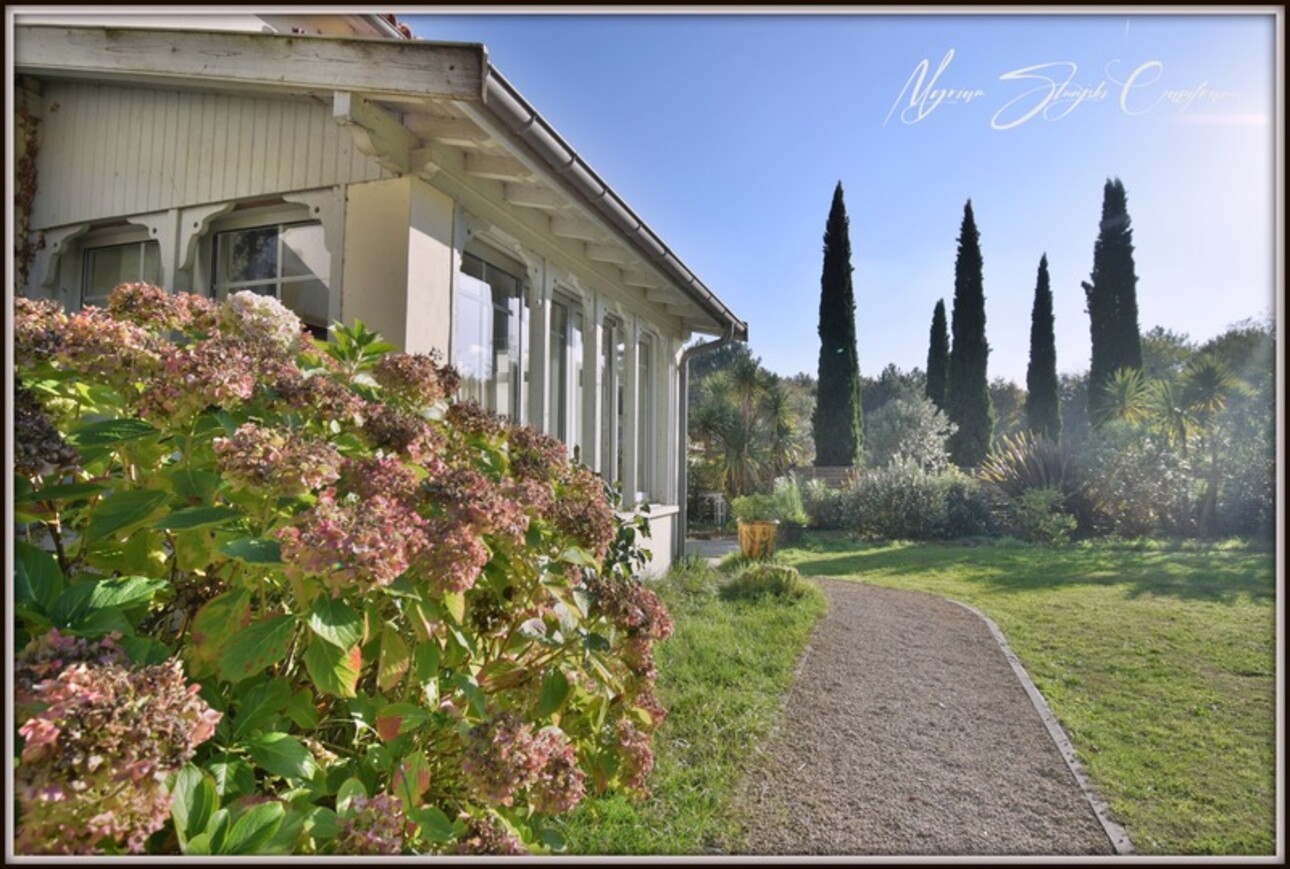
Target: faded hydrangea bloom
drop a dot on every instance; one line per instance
(38, 448)
(488, 836)
(503, 758)
(366, 543)
(417, 378)
(582, 511)
(95, 758)
(384, 475)
(262, 322)
(372, 826)
(37, 330)
(276, 461)
(403, 433)
(209, 373)
(96, 344)
(49, 654)
(453, 556)
(635, 758)
(537, 456)
(153, 308)
(631, 606)
(476, 500)
(318, 396)
(558, 786)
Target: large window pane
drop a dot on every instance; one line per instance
(472, 338)
(304, 251)
(105, 267)
(608, 404)
(575, 382)
(287, 261)
(558, 364)
(489, 345)
(248, 255)
(644, 418)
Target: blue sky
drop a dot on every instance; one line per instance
(727, 133)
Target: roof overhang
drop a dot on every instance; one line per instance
(407, 100)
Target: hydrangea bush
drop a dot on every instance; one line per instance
(281, 596)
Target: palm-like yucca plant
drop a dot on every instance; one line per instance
(730, 447)
(1022, 461)
(783, 442)
(1168, 408)
(1205, 386)
(1125, 396)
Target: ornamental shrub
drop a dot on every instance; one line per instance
(904, 501)
(764, 580)
(1040, 517)
(278, 596)
(825, 506)
(1137, 485)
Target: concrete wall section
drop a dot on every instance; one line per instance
(374, 282)
(429, 269)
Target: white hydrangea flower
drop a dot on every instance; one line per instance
(262, 320)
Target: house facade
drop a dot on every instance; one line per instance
(357, 174)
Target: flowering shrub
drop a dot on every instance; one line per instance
(278, 596)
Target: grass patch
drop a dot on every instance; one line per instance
(721, 678)
(1159, 661)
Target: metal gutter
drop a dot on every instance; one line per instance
(683, 461)
(505, 104)
(383, 26)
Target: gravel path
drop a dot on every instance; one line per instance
(907, 733)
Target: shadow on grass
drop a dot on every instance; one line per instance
(1216, 576)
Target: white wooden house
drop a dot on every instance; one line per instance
(361, 174)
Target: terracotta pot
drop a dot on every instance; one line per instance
(757, 537)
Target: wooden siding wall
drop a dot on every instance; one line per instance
(109, 151)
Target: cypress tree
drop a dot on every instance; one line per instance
(1043, 408)
(938, 356)
(968, 392)
(1111, 294)
(837, 420)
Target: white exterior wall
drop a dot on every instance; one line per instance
(109, 151)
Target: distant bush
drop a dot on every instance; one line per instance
(903, 501)
(1041, 518)
(967, 510)
(762, 580)
(825, 507)
(783, 503)
(1137, 485)
(912, 427)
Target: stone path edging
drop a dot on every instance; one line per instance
(1114, 832)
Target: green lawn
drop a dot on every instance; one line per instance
(721, 677)
(1160, 663)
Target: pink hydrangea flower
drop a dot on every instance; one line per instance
(276, 461)
(97, 753)
(363, 542)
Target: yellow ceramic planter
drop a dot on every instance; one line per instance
(757, 537)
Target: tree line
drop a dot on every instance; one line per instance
(1200, 402)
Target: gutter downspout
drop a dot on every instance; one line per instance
(683, 471)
